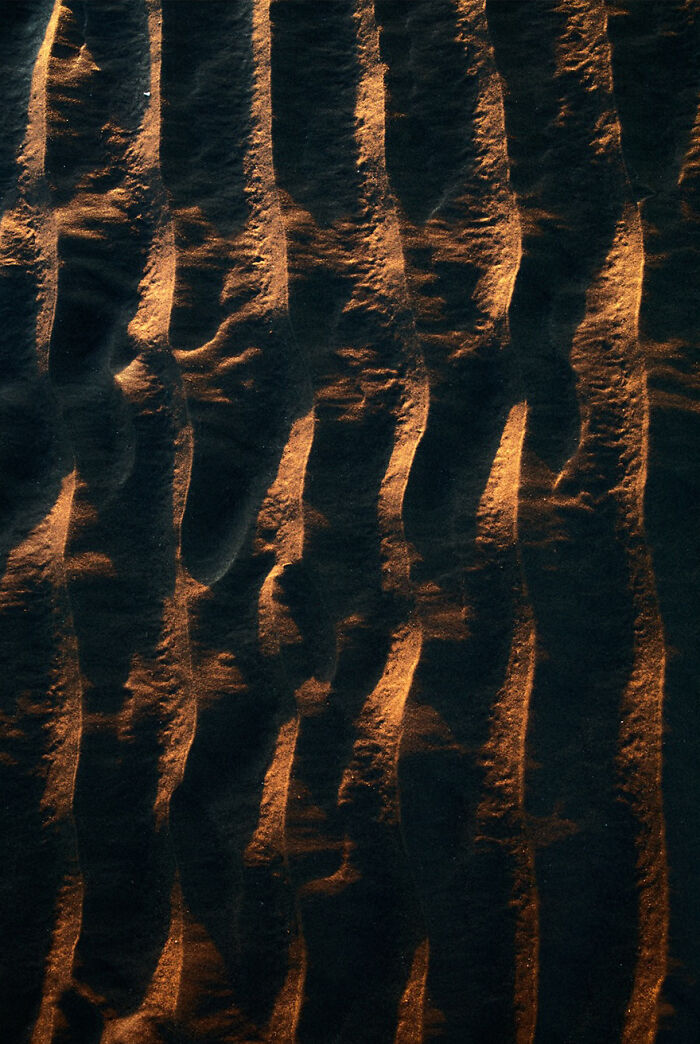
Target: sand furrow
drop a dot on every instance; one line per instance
(241, 374)
(641, 727)
(506, 751)
(580, 504)
(284, 516)
(380, 722)
(366, 309)
(319, 663)
(510, 722)
(47, 726)
(664, 181)
(172, 676)
(134, 688)
(410, 1026)
(233, 350)
(641, 744)
(641, 703)
(502, 809)
(33, 547)
(60, 786)
(462, 253)
(283, 522)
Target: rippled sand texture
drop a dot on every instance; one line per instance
(349, 514)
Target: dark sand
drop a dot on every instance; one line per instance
(350, 521)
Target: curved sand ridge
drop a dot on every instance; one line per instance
(349, 526)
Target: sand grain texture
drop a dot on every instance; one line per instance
(350, 521)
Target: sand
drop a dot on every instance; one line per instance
(350, 455)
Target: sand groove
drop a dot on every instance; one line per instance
(27, 236)
(349, 443)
